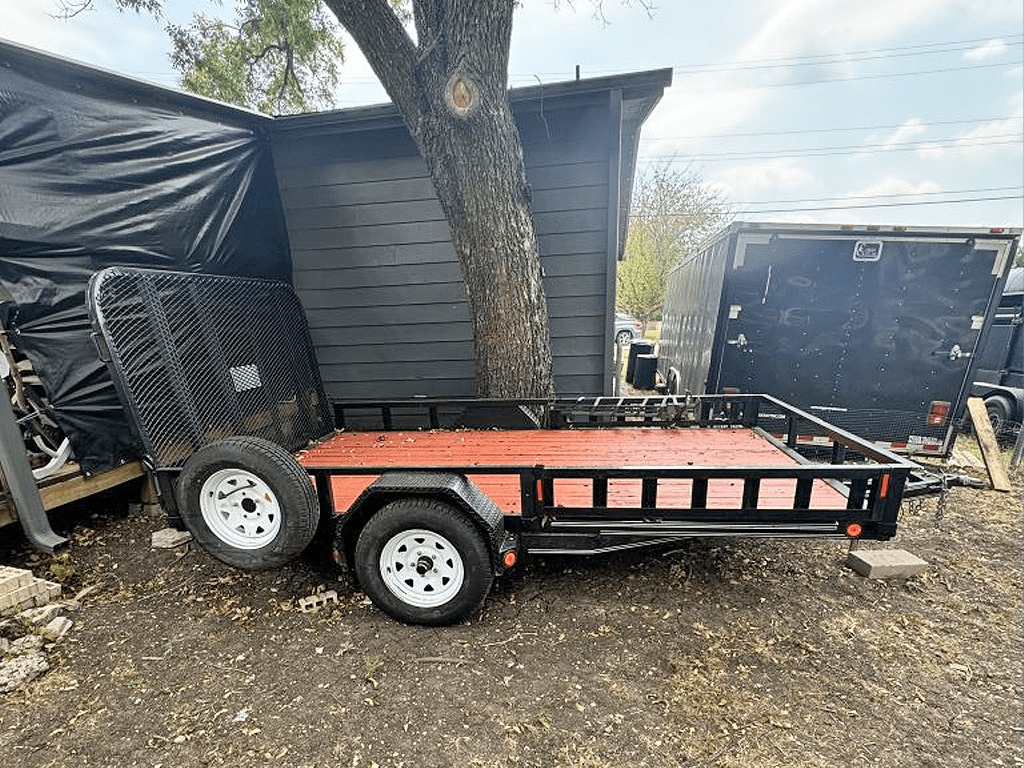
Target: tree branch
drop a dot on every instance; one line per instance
(386, 46)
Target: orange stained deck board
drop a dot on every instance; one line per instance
(606, 447)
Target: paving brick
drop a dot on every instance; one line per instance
(12, 578)
(885, 563)
(19, 589)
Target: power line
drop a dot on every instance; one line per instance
(957, 201)
(877, 76)
(849, 129)
(898, 204)
(824, 60)
(839, 151)
(914, 47)
(808, 58)
(878, 197)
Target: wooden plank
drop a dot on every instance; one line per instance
(330, 171)
(397, 211)
(356, 193)
(81, 486)
(372, 256)
(395, 296)
(383, 235)
(326, 338)
(377, 276)
(987, 443)
(71, 487)
(626, 447)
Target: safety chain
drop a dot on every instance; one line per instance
(940, 504)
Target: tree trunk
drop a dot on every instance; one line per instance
(451, 90)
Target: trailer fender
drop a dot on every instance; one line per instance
(672, 380)
(456, 489)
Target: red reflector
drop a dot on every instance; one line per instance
(997, 230)
(509, 559)
(730, 390)
(938, 412)
(853, 530)
(885, 486)
(540, 491)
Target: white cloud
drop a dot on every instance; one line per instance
(906, 133)
(986, 51)
(931, 150)
(995, 138)
(763, 180)
(896, 186)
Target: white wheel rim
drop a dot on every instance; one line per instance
(421, 568)
(240, 509)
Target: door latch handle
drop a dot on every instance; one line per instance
(955, 353)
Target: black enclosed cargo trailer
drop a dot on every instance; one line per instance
(874, 328)
(219, 378)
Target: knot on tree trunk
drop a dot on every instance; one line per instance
(462, 95)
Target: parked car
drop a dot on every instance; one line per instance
(627, 328)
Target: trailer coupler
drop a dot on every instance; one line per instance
(928, 484)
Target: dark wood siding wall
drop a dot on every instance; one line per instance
(374, 266)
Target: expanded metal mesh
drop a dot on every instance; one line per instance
(886, 425)
(198, 358)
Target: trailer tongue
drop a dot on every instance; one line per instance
(219, 378)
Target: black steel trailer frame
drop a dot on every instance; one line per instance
(872, 480)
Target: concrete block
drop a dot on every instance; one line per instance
(315, 602)
(19, 589)
(169, 538)
(13, 578)
(40, 616)
(19, 670)
(885, 563)
(57, 628)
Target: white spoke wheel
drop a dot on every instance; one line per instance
(422, 561)
(240, 509)
(247, 502)
(421, 568)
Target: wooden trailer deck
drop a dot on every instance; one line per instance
(629, 447)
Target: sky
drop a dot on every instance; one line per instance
(890, 112)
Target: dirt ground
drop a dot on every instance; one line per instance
(714, 653)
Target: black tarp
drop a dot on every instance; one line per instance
(98, 170)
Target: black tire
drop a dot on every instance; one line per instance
(450, 541)
(1000, 413)
(622, 338)
(270, 522)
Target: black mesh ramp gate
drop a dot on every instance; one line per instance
(197, 358)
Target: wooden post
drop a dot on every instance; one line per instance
(987, 443)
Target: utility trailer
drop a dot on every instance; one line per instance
(874, 328)
(220, 381)
(999, 380)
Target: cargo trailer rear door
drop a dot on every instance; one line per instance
(874, 331)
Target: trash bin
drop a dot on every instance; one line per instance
(636, 348)
(646, 367)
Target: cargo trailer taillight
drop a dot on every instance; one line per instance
(730, 390)
(938, 412)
